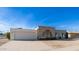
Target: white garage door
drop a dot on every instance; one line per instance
(26, 36)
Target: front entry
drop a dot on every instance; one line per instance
(46, 35)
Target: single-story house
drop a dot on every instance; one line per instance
(43, 32)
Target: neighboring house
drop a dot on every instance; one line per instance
(43, 32)
(73, 35)
(2, 36)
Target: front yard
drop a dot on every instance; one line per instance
(51, 45)
(3, 41)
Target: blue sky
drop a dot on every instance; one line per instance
(30, 17)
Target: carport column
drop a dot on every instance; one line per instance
(11, 34)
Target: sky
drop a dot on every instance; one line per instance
(64, 18)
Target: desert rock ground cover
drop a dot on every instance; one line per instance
(50, 45)
(3, 41)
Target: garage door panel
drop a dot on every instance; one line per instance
(25, 35)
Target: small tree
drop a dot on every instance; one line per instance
(8, 35)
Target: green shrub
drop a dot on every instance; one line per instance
(8, 35)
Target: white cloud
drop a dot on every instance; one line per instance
(4, 26)
(62, 26)
(13, 21)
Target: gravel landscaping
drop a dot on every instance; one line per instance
(50, 45)
(3, 41)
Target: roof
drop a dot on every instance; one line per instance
(17, 29)
(73, 33)
(45, 27)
